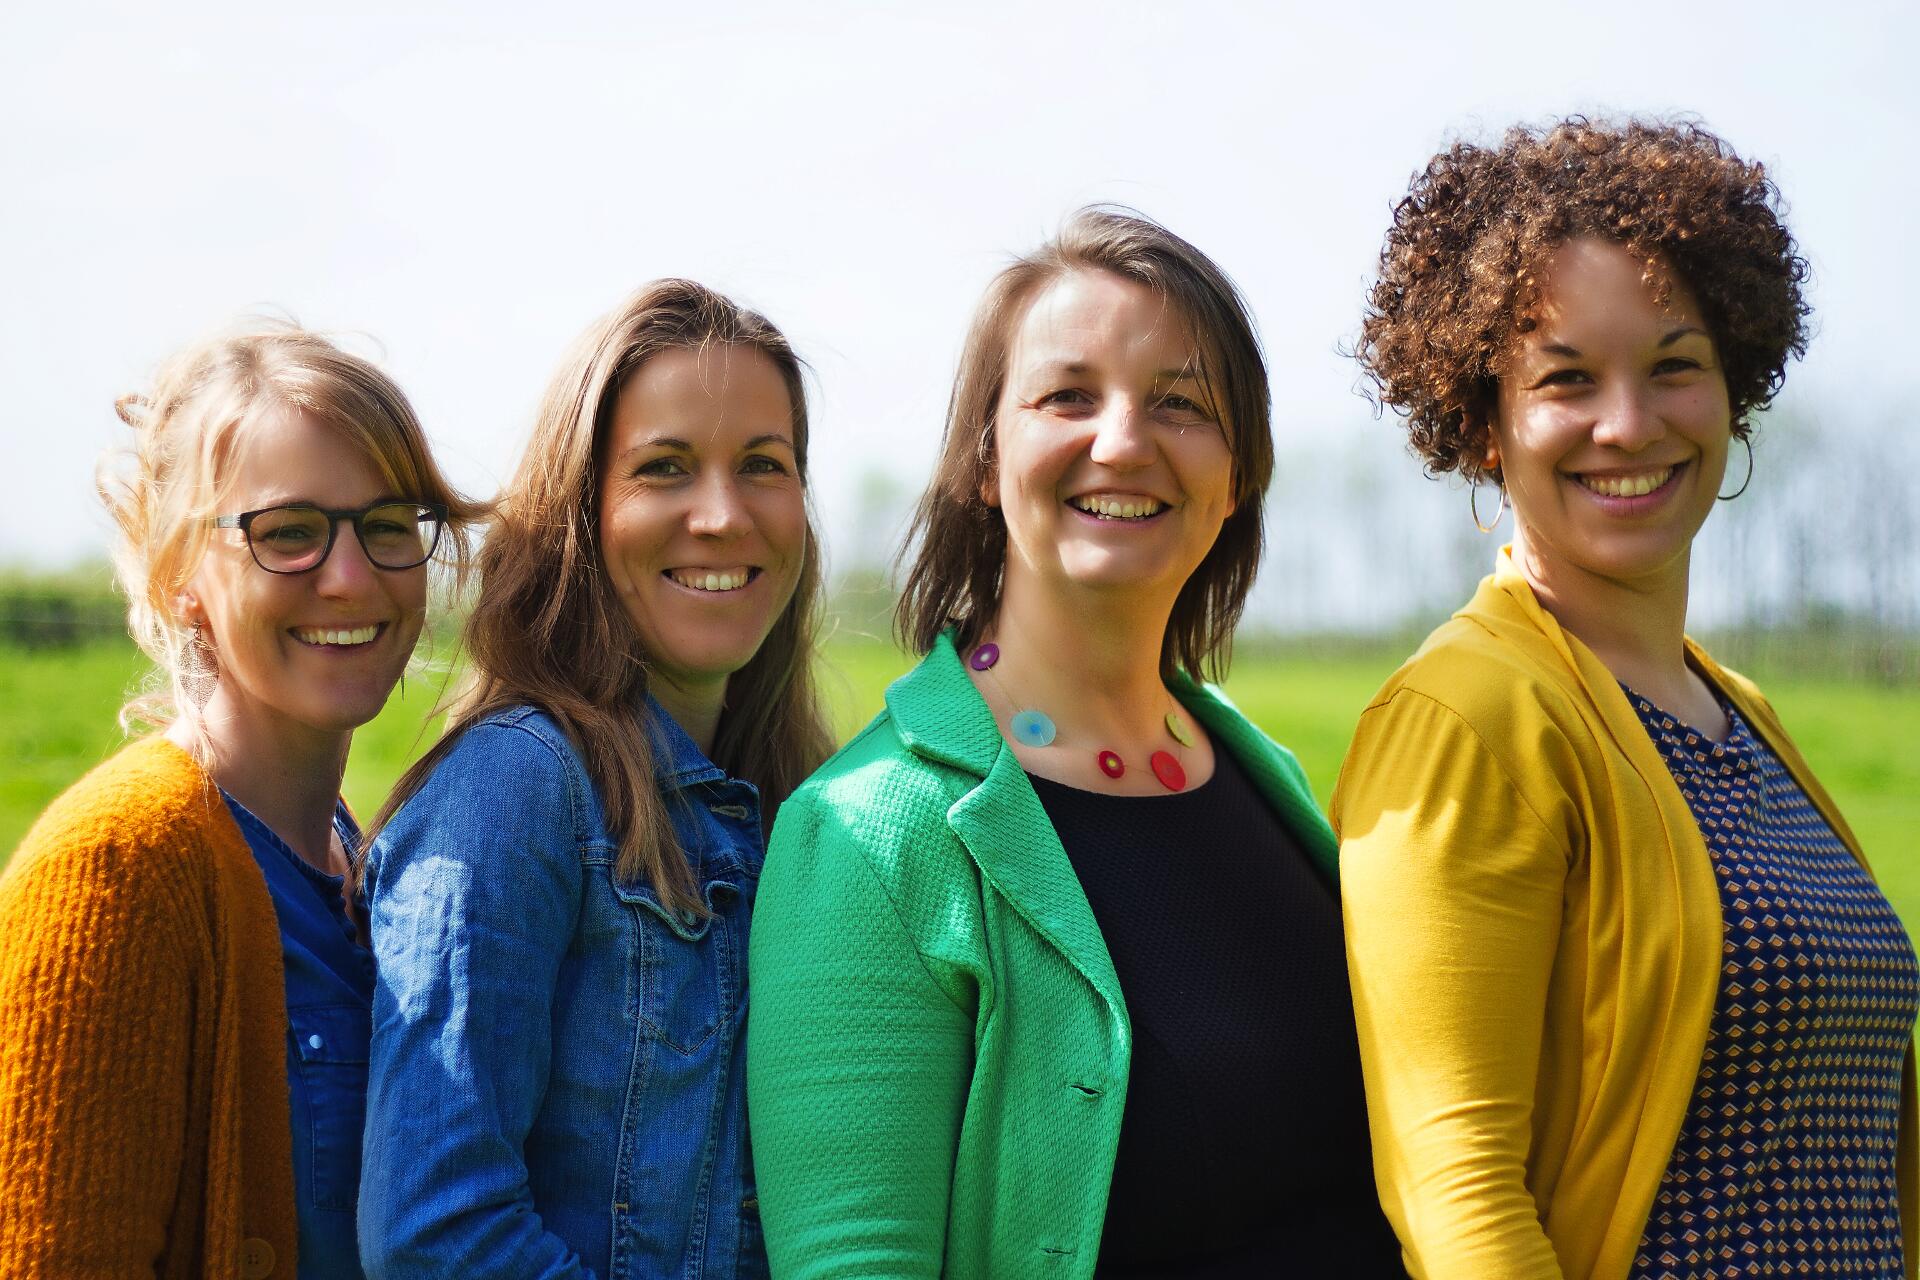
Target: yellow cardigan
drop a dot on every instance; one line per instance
(1533, 933)
(144, 1127)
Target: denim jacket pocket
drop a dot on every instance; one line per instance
(689, 969)
(332, 1042)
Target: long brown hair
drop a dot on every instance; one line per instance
(547, 629)
(954, 580)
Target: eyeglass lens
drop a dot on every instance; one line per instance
(397, 535)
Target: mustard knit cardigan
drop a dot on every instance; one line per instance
(144, 1127)
(1534, 935)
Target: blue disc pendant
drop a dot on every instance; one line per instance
(1033, 729)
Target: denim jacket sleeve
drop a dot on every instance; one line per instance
(475, 890)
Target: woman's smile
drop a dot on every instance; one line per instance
(710, 582)
(1630, 493)
(1131, 508)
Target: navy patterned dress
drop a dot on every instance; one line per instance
(1785, 1162)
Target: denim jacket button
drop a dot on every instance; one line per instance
(314, 1042)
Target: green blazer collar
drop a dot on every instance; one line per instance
(940, 716)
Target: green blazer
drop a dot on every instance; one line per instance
(938, 1048)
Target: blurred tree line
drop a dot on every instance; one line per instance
(1816, 567)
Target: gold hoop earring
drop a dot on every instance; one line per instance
(1473, 504)
(1729, 497)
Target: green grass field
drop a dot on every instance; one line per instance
(57, 711)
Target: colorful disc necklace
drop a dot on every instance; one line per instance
(1035, 728)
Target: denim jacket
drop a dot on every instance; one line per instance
(557, 1083)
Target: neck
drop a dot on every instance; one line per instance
(695, 707)
(1636, 628)
(288, 775)
(1093, 659)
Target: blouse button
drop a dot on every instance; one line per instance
(314, 1042)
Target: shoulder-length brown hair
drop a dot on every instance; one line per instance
(547, 629)
(958, 542)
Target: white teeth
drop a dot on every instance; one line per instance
(710, 580)
(1627, 486)
(1120, 509)
(336, 635)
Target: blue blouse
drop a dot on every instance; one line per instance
(329, 1021)
(1785, 1165)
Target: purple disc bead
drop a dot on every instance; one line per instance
(985, 656)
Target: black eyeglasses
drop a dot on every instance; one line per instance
(299, 537)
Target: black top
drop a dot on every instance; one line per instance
(1243, 1148)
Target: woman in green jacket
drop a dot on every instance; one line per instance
(1047, 966)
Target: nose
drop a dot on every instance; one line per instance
(346, 571)
(1628, 420)
(1122, 437)
(717, 511)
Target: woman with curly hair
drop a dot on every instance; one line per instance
(1629, 1001)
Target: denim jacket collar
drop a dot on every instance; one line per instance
(677, 761)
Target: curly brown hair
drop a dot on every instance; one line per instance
(1461, 270)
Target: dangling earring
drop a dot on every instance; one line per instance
(1729, 497)
(1473, 504)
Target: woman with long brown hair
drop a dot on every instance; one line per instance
(560, 894)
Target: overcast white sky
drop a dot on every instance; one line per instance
(469, 184)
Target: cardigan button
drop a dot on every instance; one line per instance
(256, 1259)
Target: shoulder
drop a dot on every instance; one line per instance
(1481, 721)
(1495, 681)
(135, 839)
(875, 802)
(512, 776)
(519, 750)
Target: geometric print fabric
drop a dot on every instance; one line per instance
(1785, 1163)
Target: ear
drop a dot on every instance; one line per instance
(990, 489)
(186, 606)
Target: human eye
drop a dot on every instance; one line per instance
(761, 464)
(1065, 398)
(668, 468)
(391, 521)
(1676, 365)
(289, 527)
(1173, 402)
(1562, 379)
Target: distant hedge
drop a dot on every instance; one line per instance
(59, 610)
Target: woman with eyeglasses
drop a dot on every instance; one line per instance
(185, 989)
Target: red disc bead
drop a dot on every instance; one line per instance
(1168, 770)
(1111, 764)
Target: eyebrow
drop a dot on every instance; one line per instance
(1075, 368)
(1573, 353)
(677, 445)
(300, 500)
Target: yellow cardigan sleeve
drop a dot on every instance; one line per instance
(1453, 887)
